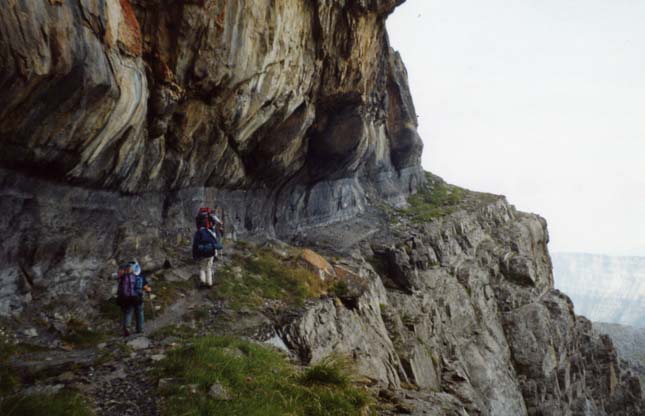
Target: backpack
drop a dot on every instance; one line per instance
(204, 244)
(126, 293)
(138, 286)
(204, 219)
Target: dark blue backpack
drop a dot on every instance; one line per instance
(204, 244)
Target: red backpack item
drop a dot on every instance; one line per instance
(204, 218)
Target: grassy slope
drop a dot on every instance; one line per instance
(436, 198)
(259, 381)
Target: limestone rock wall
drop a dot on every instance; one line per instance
(118, 118)
(470, 317)
(152, 95)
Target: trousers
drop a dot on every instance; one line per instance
(137, 309)
(206, 271)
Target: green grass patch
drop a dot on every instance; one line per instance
(109, 310)
(179, 331)
(64, 403)
(332, 371)
(80, 335)
(264, 275)
(339, 289)
(7, 350)
(9, 380)
(166, 293)
(433, 199)
(259, 381)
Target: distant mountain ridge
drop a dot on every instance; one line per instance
(603, 288)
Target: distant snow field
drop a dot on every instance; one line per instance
(603, 288)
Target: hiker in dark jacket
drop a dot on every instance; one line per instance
(205, 245)
(132, 285)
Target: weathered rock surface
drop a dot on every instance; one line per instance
(144, 95)
(118, 116)
(468, 309)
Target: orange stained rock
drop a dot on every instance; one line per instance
(317, 263)
(130, 40)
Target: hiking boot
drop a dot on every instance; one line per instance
(126, 333)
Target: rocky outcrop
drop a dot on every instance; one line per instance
(151, 95)
(119, 118)
(471, 317)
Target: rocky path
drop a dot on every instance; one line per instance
(124, 388)
(117, 372)
(127, 387)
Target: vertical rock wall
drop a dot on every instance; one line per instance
(119, 118)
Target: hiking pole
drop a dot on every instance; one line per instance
(152, 305)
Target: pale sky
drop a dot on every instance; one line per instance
(539, 100)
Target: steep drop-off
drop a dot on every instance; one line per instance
(119, 118)
(630, 343)
(603, 288)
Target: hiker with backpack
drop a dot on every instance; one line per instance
(132, 286)
(206, 244)
(208, 219)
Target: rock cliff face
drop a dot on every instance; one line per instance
(127, 115)
(154, 95)
(464, 309)
(119, 118)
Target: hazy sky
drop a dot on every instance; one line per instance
(539, 100)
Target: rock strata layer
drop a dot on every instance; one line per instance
(119, 118)
(148, 95)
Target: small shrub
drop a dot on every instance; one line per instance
(433, 199)
(10, 377)
(339, 289)
(332, 371)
